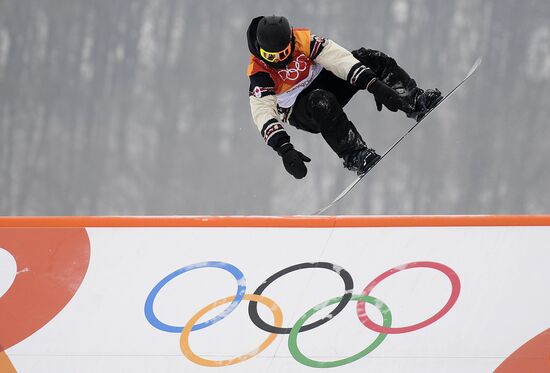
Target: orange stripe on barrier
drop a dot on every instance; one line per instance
(278, 222)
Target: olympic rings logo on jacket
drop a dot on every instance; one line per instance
(293, 73)
(300, 325)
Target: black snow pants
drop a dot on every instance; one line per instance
(319, 108)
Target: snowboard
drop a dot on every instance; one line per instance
(360, 177)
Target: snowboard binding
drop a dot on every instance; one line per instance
(361, 161)
(424, 101)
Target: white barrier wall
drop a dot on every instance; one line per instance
(408, 294)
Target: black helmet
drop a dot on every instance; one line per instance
(274, 33)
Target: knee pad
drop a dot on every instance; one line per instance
(324, 108)
(322, 103)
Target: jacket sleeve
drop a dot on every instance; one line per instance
(263, 106)
(336, 59)
(343, 64)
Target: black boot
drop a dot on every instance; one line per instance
(424, 101)
(361, 161)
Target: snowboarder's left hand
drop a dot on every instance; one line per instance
(384, 95)
(378, 103)
(364, 78)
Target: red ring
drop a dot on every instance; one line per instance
(455, 282)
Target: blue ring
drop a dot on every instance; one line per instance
(241, 289)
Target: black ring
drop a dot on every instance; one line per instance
(348, 284)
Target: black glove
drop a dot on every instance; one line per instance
(384, 95)
(293, 160)
(378, 104)
(364, 78)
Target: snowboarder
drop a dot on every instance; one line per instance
(306, 80)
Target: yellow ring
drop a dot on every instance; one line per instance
(184, 339)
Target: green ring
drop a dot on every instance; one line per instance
(301, 358)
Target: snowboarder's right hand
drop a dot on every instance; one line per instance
(384, 95)
(293, 160)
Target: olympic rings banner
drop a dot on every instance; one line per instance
(407, 294)
(300, 325)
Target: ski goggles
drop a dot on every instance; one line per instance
(276, 56)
